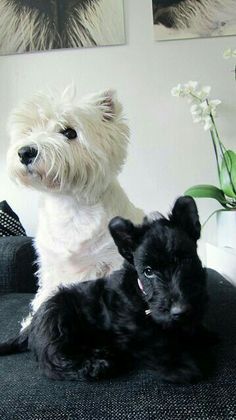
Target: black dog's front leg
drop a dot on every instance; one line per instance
(180, 369)
(97, 368)
(201, 336)
(173, 363)
(104, 364)
(188, 358)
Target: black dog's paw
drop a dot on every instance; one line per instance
(94, 369)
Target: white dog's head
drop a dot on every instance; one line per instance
(63, 146)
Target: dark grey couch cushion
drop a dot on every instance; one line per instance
(26, 395)
(17, 265)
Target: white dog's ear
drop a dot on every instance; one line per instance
(106, 103)
(109, 105)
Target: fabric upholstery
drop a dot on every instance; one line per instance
(25, 395)
(17, 265)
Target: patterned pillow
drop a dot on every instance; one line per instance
(10, 224)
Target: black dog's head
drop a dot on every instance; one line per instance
(164, 254)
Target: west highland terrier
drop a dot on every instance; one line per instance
(147, 314)
(72, 153)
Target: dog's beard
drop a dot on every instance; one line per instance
(59, 170)
(35, 175)
(24, 28)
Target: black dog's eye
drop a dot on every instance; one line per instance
(148, 272)
(69, 133)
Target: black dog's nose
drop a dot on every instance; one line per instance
(27, 154)
(178, 311)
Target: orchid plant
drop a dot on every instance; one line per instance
(230, 53)
(203, 110)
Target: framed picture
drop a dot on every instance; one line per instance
(179, 19)
(36, 25)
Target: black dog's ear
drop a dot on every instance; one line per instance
(185, 215)
(125, 235)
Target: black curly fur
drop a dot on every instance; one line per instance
(99, 329)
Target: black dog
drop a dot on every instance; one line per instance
(147, 314)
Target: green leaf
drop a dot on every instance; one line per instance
(228, 173)
(207, 191)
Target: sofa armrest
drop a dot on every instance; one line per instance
(17, 265)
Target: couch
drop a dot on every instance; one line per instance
(26, 395)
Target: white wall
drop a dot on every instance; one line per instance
(167, 152)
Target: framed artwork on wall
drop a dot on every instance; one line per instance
(37, 25)
(180, 19)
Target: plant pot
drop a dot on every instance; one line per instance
(223, 260)
(226, 229)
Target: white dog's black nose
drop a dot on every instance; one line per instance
(27, 154)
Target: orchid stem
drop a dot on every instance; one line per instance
(223, 152)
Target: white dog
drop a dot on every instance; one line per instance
(72, 153)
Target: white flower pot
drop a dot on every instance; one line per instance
(223, 260)
(226, 229)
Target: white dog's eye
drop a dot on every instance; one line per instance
(69, 133)
(148, 272)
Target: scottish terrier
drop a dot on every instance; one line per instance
(148, 314)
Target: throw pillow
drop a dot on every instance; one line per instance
(10, 224)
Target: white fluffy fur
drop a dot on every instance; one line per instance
(204, 18)
(78, 182)
(24, 29)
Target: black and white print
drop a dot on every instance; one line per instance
(179, 19)
(35, 25)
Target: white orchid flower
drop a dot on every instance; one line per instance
(208, 123)
(197, 118)
(190, 87)
(202, 108)
(196, 112)
(195, 109)
(205, 107)
(229, 53)
(177, 90)
(214, 103)
(204, 93)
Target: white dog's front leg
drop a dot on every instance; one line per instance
(41, 296)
